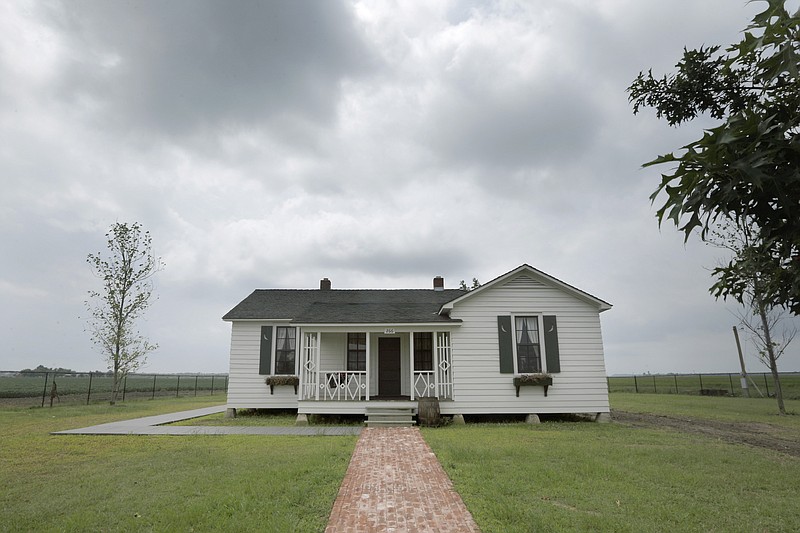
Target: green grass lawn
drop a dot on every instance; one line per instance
(581, 476)
(556, 476)
(161, 483)
(725, 409)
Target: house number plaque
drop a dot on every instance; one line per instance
(388, 331)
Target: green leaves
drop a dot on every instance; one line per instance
(746, 169)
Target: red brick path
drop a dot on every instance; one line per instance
(395, 483)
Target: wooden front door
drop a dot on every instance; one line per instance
(389, 366)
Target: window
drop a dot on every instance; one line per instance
(423, 351)
(284, 350)
(357, 352)
(529, 352)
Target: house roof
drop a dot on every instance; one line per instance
(376, 306)
(345, 306)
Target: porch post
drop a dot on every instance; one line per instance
(369, 356)
(435, 335)
(317, 350)
(411, 364)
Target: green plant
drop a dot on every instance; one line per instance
(528, 380)
(273, 381)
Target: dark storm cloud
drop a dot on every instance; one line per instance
(184, 66)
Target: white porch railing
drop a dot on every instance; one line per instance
(342, 385)
(424, 384)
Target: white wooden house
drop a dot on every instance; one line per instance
(328, 351)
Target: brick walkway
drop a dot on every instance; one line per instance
(395, 483)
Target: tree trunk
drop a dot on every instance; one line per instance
(772, 359)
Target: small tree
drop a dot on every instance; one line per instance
(759, 316)
(127, 272)
(475, 284)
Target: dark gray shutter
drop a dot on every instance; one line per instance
(551, 344)
(505, 336)
(265, 360)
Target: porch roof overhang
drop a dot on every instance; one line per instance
(397, 327)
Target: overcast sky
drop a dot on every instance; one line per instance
(379, 144)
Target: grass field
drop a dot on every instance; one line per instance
(693, 383)
(161, 483)
(610, 477)
(556, 476)
(27, 390)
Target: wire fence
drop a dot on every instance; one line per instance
(29, 389)
(720, 384)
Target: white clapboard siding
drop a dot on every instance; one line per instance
(246, 388)
(480, 388)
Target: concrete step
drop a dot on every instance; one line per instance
(390, 416)
(389, 423)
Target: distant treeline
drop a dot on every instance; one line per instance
(42, 368)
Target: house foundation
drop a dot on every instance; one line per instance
(230, 412)
(603, 418)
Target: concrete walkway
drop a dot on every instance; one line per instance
(395, 483)
(153, 425)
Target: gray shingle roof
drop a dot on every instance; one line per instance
(349, 306)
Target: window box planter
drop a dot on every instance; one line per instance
(272, 381)
(533, 380)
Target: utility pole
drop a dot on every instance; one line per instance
(745, 390)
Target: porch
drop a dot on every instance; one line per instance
(363, 367)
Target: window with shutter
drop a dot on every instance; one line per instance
(285, 341)
(529, 350)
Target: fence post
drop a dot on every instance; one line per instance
(701, 382)
(654, 383)
(731, 380)
(635, 384)
(44, 390)
(676, 382)
(124, 387)
(226, 384)
(89, 392)
(195, 385)
(212, 384)
(766, 383)
(154, 386)
(178, 386)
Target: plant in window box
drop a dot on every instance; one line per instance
(533, 380)
(272, 381)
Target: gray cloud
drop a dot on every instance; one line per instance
(187, 67)
(270, 144)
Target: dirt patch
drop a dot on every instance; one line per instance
(751, 433)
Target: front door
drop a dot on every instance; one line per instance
(389, 366)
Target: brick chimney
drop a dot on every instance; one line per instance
(324, 284)
(438, 283)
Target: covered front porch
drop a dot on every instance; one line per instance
(342, 369)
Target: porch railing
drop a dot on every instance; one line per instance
(338, 385)
(424, 384)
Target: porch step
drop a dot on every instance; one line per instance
(390, 416)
